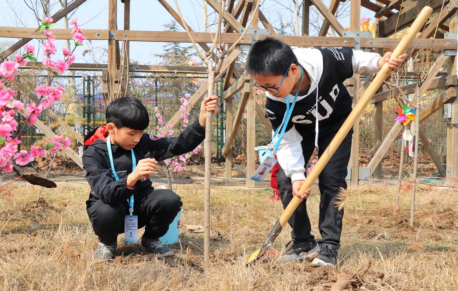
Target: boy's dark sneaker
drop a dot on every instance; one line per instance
(327, 256)
(156, 247)
(301, 250)
(105, 252)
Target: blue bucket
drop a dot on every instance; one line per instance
(171, 237)
(263, 152)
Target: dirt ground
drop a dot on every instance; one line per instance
(47, 244)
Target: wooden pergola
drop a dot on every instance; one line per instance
(390, 19)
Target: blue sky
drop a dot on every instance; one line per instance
(145, 15)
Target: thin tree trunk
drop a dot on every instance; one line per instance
(208, 157)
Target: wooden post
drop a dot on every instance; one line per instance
(354, 158)
(452, 130)
(126, 63)
(378, 127)
(251, 120)
(112, 10)
(305, 17)
(326, 24)
(229, 158)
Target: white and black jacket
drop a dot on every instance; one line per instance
(327, 69)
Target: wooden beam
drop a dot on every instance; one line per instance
(229, 126)
(126, 64)
(355, 15)
(326, 24)
(404, 18)
(236, 13)
(56, 17)
(226, 15)
(373, 6)
(438, 82)
(263, 118)
(329, 16)
(425, 113)
(238, 116)
(235, 88)
(394, 4)
(228, 38)
(203, 88)
(132, 68)
(112, 26)
(246, 12)
(438, 20)
(306, 17)
(452, 131)
(266, 23)
(177, 17)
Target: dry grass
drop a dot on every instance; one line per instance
(48, 244)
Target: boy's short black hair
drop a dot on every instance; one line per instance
(270, 57)
(127, 112)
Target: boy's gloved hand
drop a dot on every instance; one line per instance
(394, 63)
(209, 104)
(296, 186)
(144, 167)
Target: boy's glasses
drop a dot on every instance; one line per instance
(273, 90)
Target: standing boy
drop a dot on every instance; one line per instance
(120, 187)
(313, 78)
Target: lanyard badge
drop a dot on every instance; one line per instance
(130, 221)
(270, 161)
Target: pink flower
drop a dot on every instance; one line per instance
(183, 159)
(8, 168)
(50, 46)
(73, 21)
(5, 130)
(67, 141)
(79, 37)
(57, 139)
(170, 132)
(29, 48)
(178, 168)
(56, 148)
(33, 118)
(7, 152)
(33, 108)
(187, 95)
(8, 119)
(23, 158)
(66, 52)
(160, 121)
(168, 126)
(8, 69)
(6, 95)
(49, 63)
(37, 153)
(41, 90)
(62, 66)
(70, 59)
(21, 61)
(50, 35)
(155, 109)
(47, 20)
(195, 151)
(16, 105)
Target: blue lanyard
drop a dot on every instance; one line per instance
(134, 164)
(289, 111)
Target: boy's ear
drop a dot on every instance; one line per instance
(294, 68)
(110, 127)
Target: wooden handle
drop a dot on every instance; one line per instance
(354, 115)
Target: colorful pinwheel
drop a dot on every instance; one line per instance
(406, 114)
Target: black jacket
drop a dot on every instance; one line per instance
(100, 177)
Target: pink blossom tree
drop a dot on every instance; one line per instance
(10, 106)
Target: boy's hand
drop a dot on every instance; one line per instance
(144, 167)
(394, 63)
(296, 186)
(209, 104)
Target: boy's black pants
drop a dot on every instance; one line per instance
(156, 209)
(331, 179)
